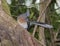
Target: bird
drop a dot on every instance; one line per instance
(24, 22)
(23, 18)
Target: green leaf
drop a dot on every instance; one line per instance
(31, 16)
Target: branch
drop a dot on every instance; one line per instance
(41, 14)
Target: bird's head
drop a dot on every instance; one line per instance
(21, 19)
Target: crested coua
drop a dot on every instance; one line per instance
(23, 18)
(24, 21)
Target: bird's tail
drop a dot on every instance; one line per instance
(41, 24)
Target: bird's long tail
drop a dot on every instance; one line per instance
(41, 24)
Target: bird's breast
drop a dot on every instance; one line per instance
(22, 20)
(23, 24)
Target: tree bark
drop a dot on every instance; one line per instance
(41, 29)
(12, 34)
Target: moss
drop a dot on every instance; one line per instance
(5, 7)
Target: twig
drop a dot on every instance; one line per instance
(56, 34)
(48, 2)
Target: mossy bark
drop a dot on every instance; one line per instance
(6, 7)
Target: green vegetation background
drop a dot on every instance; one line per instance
(15, 10)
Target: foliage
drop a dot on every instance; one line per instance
(53, 15)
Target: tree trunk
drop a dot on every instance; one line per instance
(41, 29)
(12, 34)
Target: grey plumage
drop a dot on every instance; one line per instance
(27, 14)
